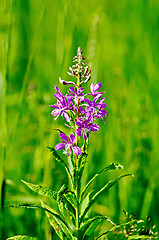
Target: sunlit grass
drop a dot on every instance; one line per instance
(123, 39)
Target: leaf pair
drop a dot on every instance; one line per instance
(60, 226)
(94, 198)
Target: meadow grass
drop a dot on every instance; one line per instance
(38, 40)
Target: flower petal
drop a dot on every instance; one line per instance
(64, 137)
(66, 116)
(78, 131)
(97, 86)
(72, 138)
(59, 146)
(76, 150)
(56, 112)
(80, 90)
(72, 89)
(94, 127)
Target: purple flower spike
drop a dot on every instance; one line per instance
(68, 144)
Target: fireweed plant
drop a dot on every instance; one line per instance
(80, 111)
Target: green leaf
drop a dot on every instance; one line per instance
(77, 173)
(94, 198)
(59, 225)
(89, 226)
(83, 158)
(70, 204)
(62, 224)
(72, 158)
(142, 237)
(65, 205)
(112, 166)
(21, 237)
(115, 228)
(71, 198)
(66, 200)
(59, 159)
(42, 190)
(54, 223)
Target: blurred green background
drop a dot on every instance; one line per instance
(120, 40)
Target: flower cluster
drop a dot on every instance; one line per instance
(79, 109)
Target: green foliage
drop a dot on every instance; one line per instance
(42, 190)
(83, 158)
(67, 201)
(97, 194)
(20, 237)
(59, 159)
(89, 226)
(122, 42)
(132, 228)
(112, 166)
(59, 225)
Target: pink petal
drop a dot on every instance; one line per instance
(59, 146)
(94, 127)
(56, 112)
(72, 89)
(92, 87)
(80, 90)
(76, 150)
(72, 138)
(64, 137)
(97, 86)
(66, 116)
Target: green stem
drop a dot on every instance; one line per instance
(76, 159)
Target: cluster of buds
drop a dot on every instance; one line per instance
(79, 109)
(79, 70)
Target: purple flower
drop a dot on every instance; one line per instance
(68, 144)
(77, 94)
(95, 109)
(94, 90)
(86, 127)
(63, 104)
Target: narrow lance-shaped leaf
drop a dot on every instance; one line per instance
(71, 198)
(65, 201)
(106, 187)
(42, 190)
(64, 204)
(59, 159)
(112, 166)
(89, 226)
(21, 237)
(82, 158)
(77, 173)
(59, 225)
(148, 237)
